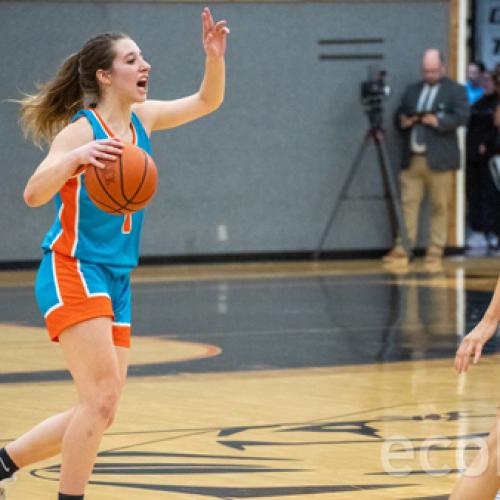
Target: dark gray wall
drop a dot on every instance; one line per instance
(270, 163)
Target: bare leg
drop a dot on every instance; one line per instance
(41, 442)
(45, 439)
(93, 363)
(481, 480)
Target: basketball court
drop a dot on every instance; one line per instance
(328, 380)
(292, 380)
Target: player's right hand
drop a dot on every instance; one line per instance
(472, 344)
(94, 152)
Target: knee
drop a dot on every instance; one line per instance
(109, 413)
(104, 401)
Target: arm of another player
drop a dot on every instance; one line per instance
(472, 344)
(73, 146)
(159, 115)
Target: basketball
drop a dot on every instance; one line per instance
(126, 184)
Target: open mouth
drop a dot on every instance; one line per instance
(142, 84)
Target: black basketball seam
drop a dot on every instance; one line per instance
(97, 201)
(122, 187)
(140, 202)
(106, 191)
(144, 173)
(129, 201)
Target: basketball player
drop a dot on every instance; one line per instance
(481, 480)
(82, 286)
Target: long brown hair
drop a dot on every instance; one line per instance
(43, 114)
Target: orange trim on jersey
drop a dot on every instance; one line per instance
(80, 170)
(76, 306)
(127, 224)
(108, 130)
(103, 123)
(121, 335)
(65, 241)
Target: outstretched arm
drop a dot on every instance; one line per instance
(159, 115)
(472, 344)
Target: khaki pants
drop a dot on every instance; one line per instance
(416, 181)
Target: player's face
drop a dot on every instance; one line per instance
(130, 71)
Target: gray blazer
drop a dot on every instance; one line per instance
(452, 110)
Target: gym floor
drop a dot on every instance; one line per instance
(325, 380)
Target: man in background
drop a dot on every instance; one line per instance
(430, 113)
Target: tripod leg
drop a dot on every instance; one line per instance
(341, 196)
(388, 173)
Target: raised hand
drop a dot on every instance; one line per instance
(213, 34)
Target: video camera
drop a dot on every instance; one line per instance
(373, 92)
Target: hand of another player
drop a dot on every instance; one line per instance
(95, 152)
(472, 344)
(213, 34)
(430, 119)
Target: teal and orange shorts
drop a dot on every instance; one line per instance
(69, 291)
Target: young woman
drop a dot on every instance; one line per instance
(481, 481)
(95, 104)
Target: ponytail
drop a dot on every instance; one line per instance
(42, 115)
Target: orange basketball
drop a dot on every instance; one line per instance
(126, 184)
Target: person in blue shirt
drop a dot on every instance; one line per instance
(473, 85)
(95, 103)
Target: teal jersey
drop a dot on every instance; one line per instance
(82, 230)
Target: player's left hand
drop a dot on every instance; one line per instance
(213, 34)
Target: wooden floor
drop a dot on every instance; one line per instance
(329, 380)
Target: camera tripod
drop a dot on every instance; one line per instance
(377, 135)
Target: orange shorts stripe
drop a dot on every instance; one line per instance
(68, 278)
(76, 305)
(70, 314)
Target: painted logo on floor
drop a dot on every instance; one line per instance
(308, 456)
